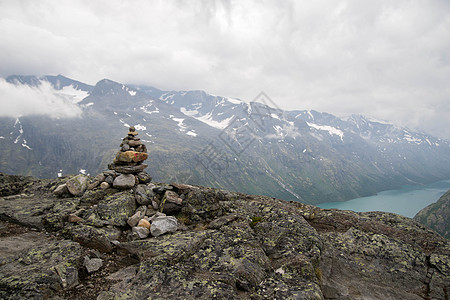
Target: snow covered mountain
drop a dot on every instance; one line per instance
(197, 138)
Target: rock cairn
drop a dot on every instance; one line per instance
(127, 168)
(128, 197)
(125, 172)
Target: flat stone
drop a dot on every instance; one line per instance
(131, 156)
(124, 181)
(77, 185)
(134, 143)
(127, 169)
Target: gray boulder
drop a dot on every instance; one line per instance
(164, 224)
(77, 185)
(124, 181)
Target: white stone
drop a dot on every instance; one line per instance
(142, 232)
(164, 224)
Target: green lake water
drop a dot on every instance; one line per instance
(407, 201)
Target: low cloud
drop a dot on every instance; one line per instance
(23, 100)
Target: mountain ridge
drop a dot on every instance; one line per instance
(216, 141)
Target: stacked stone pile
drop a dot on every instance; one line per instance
(123, 195)
(125, 172)
(127, 169)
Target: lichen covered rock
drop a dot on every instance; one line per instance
(221, 244)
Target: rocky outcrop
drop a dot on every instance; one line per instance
(123, 244)
(437, 215)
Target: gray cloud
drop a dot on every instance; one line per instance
(385, 59)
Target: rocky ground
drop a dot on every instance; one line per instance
(226, 245)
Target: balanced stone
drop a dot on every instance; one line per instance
(134, 143)
(130, 156)
(128, 169)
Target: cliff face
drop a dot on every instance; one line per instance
(227, 245)
(437, 215)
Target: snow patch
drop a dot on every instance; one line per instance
(234, 101)
(82, 171)
(132, 93)
(208, 119)
(140, 127)
(275, 116)
(115, 113)
(331, 130)
(191, 133)
(2, 137)
(166, 97)
(145, 109)
(190, 113)
(71, 93)
(123, 122)
(24, 144)
(412, 139)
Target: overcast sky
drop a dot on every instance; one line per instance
(385, 59)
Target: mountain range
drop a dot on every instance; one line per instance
(197, 138)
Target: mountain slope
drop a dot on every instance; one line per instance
(198, 138)
(436, 215)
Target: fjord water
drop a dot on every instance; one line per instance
(407, 201)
